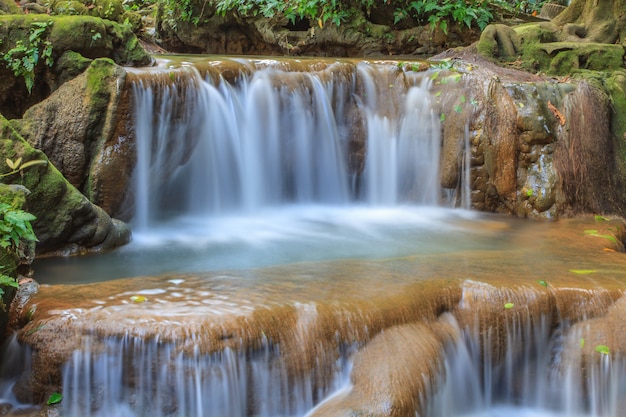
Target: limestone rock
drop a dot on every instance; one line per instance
(79, 135)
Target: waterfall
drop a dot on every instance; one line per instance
(275, 137)
(134, 377)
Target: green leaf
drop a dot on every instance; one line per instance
(603, 349)
(442, 117)
(591, 232)
(582, 271)
(600, 218)
(54, 398)
(33, 162)
(458, 108)
(443, 25)
(582, 342)
(543, 283)
(138, 299)
(509, 305)
(8, 281)
(36, 329)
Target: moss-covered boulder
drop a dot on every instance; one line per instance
(85, 138)
(588, 35)
(67, 222)
(9, 7)
(68, 41)
(68, 131)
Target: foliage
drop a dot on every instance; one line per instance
(439, 14)
(15, 224)
(54, 398)
(24, 57)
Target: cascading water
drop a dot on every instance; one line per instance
(280, 137)
(276, 166)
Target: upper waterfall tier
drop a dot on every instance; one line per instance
(244, 135)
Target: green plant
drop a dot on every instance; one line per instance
(18, 166)
(94, 36)
(15, 224)
(24, 57)
(439, 14)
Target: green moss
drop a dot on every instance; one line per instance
(133, 19)
(51, 198)
(562, 58)
(9, 7)
(536, 33)
(615, 86)
(499, 42)
(108, 9)
(100, 75)
(70, 65)
(67, 8)
(534, 58)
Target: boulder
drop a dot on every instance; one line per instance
(68, 41)
(82, 137)
(67, 222)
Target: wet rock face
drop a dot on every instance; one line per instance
(527, 135)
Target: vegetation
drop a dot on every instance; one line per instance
(15, 226)
(437, 13)
(24, 57)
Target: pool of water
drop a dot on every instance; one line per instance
(283, 236)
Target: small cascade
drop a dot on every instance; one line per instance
(16, 364)
(132, 376)
(529, 366)
(273, 137)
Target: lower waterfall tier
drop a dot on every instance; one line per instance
(451, 334)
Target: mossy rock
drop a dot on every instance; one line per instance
(85, 36)
(566, 57)
(67, 222)
(69, 65)
(107, 9)
(499, 42)
(543, 32)
(9, 7)
(133, 19)
(67, 8)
